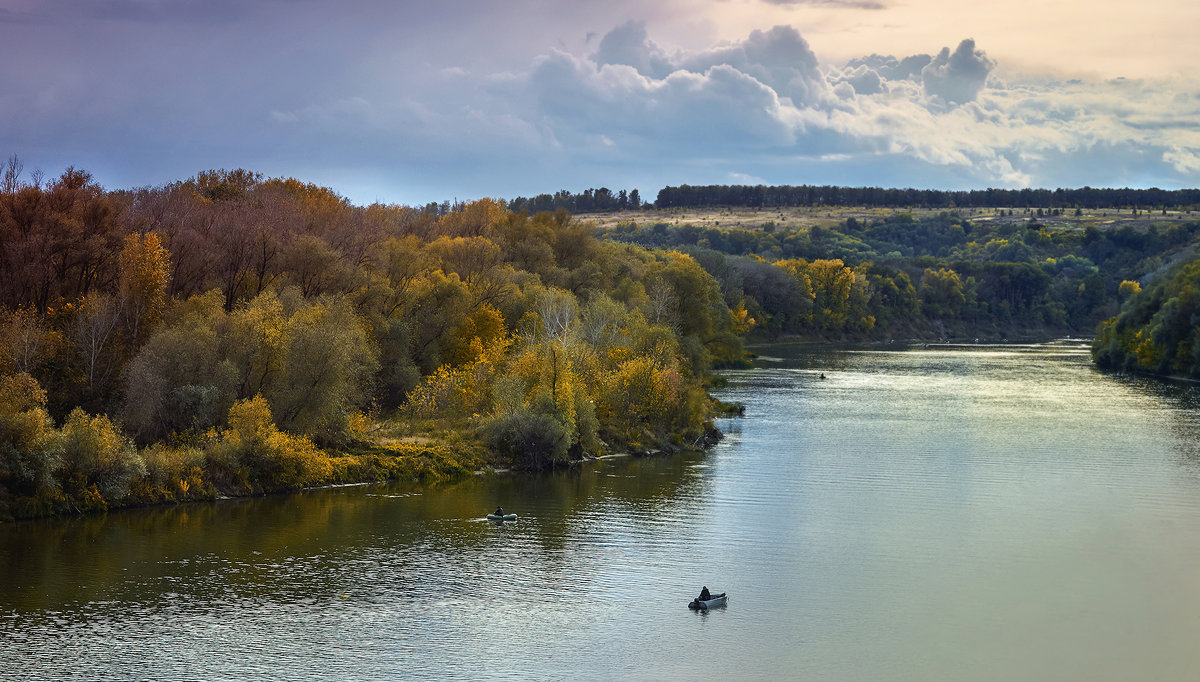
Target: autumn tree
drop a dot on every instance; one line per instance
(327, 367)
(30, 447)
(25, 340)
(144, 277)
(98, 462)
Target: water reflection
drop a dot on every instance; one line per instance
(980, 512)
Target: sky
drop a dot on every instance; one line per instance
(407, 102)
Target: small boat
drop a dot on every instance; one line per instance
(505, 517)
(706, 604)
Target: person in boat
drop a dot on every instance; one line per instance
(499, 511)
(704, 594)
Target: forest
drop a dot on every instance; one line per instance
(688, 196)
(232, 335)
(1158, 328)
(939, 277)
(599, 200)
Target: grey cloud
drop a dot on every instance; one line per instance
(763, 105)
(779, 58)
(864, 80)
(137, 11)
(891, 68)
(627, 44)
(721, 108)
(844, 90)
(959, 76)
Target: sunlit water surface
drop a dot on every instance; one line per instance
(975, 513)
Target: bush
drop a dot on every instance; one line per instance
(98, 459)
(30, 447)
(172, 474)
(530, 438)
(255, 456)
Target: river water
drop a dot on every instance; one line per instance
(971, 513)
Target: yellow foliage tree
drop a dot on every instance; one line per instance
(30, 447)
(1128, 288)
(474, 219)
(482, 328)
(145, 275)
(831, 284)
(98, 459)
(256, 453)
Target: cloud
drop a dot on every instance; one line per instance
(779, 58)
(330, 96)
(722, 107)
(627, 44)
(849, 4)
(1183, 160)
(891, 68)
(957, 77)
(863, 79)
(736, 178)
(766, 106)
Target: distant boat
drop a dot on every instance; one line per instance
(505, 517)
(706, 604)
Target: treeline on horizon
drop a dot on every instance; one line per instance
(686, 196)
(783, 196)
(233, 334)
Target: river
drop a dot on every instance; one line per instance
(966, 513)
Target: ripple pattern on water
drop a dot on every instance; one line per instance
(973, 513)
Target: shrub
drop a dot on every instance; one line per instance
(98, 458)
(172, 474)
(255, 456)
(531, 436)
(30, 447)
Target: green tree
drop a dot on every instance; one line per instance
(941, 293)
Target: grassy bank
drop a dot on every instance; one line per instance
(89, 465)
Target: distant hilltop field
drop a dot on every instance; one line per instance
(803, 217)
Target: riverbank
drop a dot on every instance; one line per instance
(893, 503)
(420, 452)
(165, 484)
(1018, 335)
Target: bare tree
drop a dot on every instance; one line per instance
(12, 173)
(557, 311)
(93, 328)
(25, 339)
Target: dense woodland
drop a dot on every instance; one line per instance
(688, 196)
(233, 334)
(600, 200)
(590, 200)
(1158, 329)
(942, 276)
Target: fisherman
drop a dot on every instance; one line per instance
(704, 594)
(499, 511)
